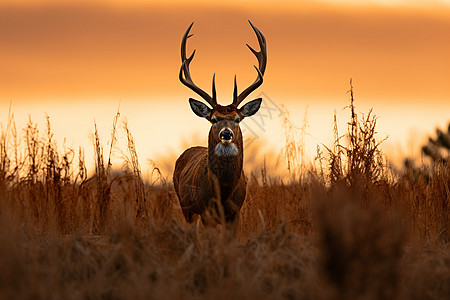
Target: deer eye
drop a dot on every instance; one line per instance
(237, 120)
(214, 120)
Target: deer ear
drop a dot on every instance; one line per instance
(250, 108)
(199, 108)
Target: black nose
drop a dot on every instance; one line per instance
(226, 135)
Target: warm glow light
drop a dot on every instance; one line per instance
(300, 2)
(390, 2)
(79, 60)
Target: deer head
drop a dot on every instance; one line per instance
(225, 134)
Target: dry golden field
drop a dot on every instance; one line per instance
(348, 228)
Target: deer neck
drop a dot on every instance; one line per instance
(225, 166)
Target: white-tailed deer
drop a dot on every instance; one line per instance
(210, 181)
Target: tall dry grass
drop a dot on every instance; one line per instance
(348, 228)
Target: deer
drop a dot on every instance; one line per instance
(210, 181)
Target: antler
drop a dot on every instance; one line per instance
(184, 70)
(262, 60)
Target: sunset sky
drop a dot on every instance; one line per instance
(78, 60)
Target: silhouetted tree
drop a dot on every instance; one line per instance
(438, 149)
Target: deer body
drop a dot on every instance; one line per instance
(207, 174)
(210, 181)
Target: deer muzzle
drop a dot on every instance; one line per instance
(226, 135)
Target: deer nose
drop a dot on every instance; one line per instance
(226, 135)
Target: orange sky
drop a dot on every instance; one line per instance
(83, 59)
(53, 51)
